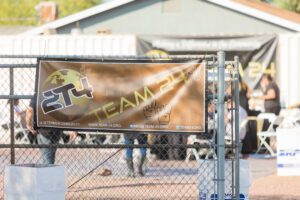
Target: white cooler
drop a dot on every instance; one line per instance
(208, 187)
(34, 182)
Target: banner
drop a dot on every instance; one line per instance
(256, 52)
(164, 96)
(288, 151)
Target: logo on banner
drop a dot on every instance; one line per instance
(289, 153)
(160, 111)
(67, 89)
(156, 52)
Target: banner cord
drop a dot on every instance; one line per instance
(91, 171)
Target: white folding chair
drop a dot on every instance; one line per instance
(19, 128)
(192, 151)
(113, 138)
(205, 152)
(270, 132)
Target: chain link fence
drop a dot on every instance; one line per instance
(176, 165)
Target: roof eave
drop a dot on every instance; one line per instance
(257, 14)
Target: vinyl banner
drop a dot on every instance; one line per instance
(288, 151)
(166, 96)
(256, 52)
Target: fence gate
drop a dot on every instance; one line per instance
(178, 165)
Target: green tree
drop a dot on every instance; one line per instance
(67, 7)
(292, 5)
(23, 12)
(14, 12)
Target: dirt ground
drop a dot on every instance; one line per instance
(136, 188)
(274, 187)
(267, 185)
(164, 179)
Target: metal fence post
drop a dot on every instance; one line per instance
(221, 128)
(237, 131)
(12, 120)
(86, 150)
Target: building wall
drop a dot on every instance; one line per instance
(288, 68)
(176, 17)
(66, 45)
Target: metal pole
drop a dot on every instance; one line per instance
(221, 128)
(232, 83)
(12, 120)
(237, 128)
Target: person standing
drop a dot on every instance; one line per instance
(129, 140)
(45, 136)
(244, 95)
(20, 113)
(271, 95)
(231, 119)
